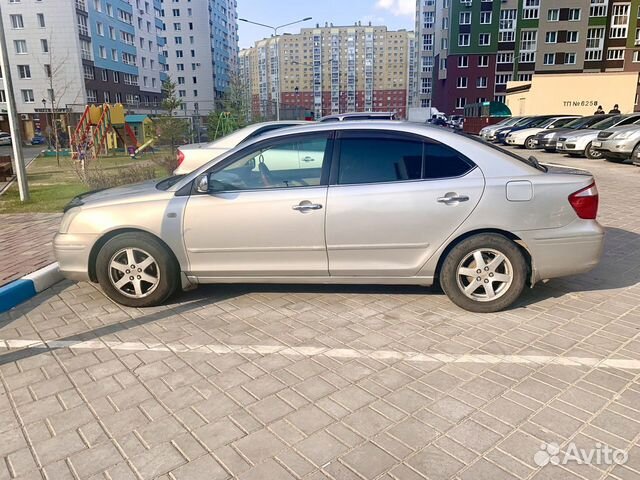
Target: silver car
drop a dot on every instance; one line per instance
(619, 144)
(345, 203)
(580, 142)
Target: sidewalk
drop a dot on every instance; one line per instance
(25, 243)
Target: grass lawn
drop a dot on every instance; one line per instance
(52, 186)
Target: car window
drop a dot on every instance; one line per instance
(284, 164)
(604, 124)
(367, 159)
(628, 121)
(269, 128)
(442, 161)
(561, 122)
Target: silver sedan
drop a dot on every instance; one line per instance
(345, 203)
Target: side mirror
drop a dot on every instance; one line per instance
(202, 183)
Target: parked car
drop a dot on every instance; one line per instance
(580, 142)
(193, 156)
(38, 139)
(527, 122)
(385, 203)
(489, 133)
(456, 122)
(619, 144)
(342, 117)
(526, 137)
(5, 138)
(547, 139)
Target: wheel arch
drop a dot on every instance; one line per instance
(97, 246)
(511, 236)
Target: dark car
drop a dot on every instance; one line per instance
(528, 122)
(547, 139)
(38, 139)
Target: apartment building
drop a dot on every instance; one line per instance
(468, 50)
(200, 50)
(330, 69)
(68, 53)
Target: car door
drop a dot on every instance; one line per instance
(263, 215)
(393, 201)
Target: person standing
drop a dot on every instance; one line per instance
(615, 109)
(599, 111)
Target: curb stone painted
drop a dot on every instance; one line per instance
(21, 290)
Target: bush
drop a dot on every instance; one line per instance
(168, 162)
(98, 178)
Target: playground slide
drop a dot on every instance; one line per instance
(144, 146)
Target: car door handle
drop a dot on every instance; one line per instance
(306, 205)
(308, 159)
(453, 198)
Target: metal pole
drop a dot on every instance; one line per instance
(275, 32)
(16, 136)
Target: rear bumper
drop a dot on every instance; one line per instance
(570, 250)
(72, 252)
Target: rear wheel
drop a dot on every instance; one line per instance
(136, 270)
(484, 273)
(591, 153)
(530, 143)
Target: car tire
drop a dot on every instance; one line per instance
(530, 144)
(459, 273)
(550, 150)
(591, 153)
(146, 261)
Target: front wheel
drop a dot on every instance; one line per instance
(530, 143)
(591, 153)
(135, 269)
(484, 273)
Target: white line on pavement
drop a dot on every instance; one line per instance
(310, 351)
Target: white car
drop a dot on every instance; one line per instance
(580, 142)
(527, 137)
(5, 138)
(193, 156)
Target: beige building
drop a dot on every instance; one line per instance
(330, 69)
(579, 93)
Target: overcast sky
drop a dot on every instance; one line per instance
(395, 14)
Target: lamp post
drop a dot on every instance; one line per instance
(275, 34)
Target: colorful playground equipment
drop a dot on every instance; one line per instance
(105, 127)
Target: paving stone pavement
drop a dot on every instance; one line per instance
(315, 382)
(25, 243)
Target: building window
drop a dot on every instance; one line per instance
(116, 77)
(598, 8)
(428, 19)
(100, 29)
(40, 19)
(549, 58)
(595, 43)
(619, 20)
(505, 57)
(531, 9)
(102, 52)
(507, 26)
(444, 43)
(20, 46)
(92, 96)
(464, 40)
(460, 103)
(551, 37)
(485, 18)
(89, 73)
(525, 77)
(24, 71)
(463, 61)
(27, 96)
(570, 58)
(16, 21)
(615, 53)
(465, 18)
(44, 45)
(572, 37)
(636, 56)
(553, 15)
(425, 88)
(483, 61)
(503, 78)
(574, 14)
(528, 45)
(481, 82)
(462, 82)
(484, 39)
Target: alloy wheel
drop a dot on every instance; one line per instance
(485, 275)
(134, 272)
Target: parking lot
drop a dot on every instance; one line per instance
(340, 382)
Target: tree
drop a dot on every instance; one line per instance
(171, 128)
(235, 101)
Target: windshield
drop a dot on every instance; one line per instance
(168, 182)
(509, 121)
(522, 121)
(548, 122)
(604, 124)
(583, 122)
(537, 122)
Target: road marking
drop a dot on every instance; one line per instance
(311, 351)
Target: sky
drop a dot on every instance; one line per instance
(395, 14)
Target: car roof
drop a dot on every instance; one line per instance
(356, 114)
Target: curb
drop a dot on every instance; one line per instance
(29, 286)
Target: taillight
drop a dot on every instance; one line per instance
(585, 202)
(180, 156)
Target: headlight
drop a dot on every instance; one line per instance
(549, 135)
(67, 219)
(625, 135)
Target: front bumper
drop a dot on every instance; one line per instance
(570, 250)
(571, 146)
(72, 252)
(514, 141)
(547, 144)
(615, 148)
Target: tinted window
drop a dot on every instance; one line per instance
(375, 160)
(444, 162)
(561, 122)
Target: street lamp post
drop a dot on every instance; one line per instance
(275, 34)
